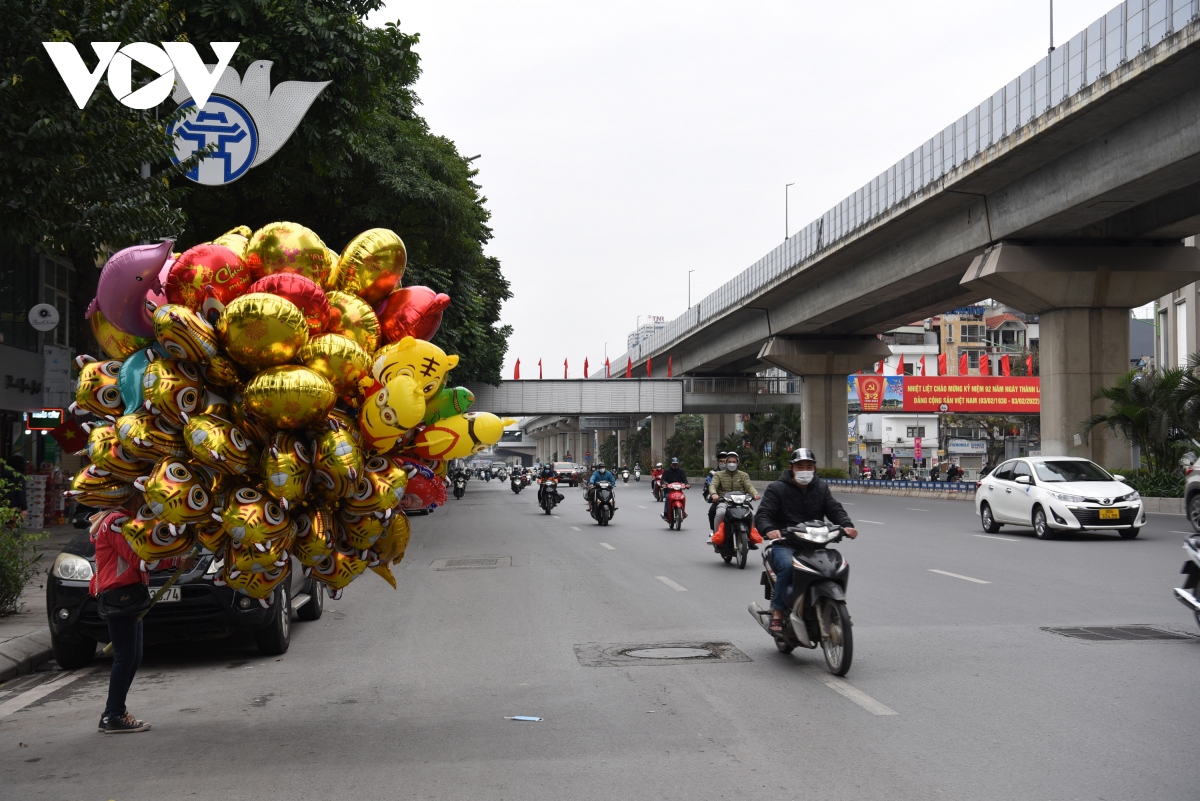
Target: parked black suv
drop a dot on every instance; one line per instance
(198, 611)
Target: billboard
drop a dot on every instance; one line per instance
(884, 393)
(972, 394)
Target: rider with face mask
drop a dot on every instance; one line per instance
(729, 480)
(797, 497)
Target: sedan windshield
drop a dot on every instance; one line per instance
(1051, 472)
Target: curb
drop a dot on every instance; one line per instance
(21, 655)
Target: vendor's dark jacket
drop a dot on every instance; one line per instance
(674, 474)
(786, 503)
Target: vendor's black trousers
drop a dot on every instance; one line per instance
(126, 635)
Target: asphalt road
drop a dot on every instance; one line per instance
(404, 694)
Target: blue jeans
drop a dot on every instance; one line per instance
(126, 636)
(781, 563)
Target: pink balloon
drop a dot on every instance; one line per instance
(156, 295)
(126, 278)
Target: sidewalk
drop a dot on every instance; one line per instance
(24, 638)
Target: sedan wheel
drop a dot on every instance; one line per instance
(1040, 526)
(1194, 511)
(985, 517)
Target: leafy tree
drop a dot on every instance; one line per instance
(362, 158)
(1149, 410)
(687, 443)
(995, 427)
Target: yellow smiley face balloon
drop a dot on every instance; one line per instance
(184, 334)
(424, 362)
(98, 391)
(389, 412)
(173, 389)
(286, 468)
(177, 492)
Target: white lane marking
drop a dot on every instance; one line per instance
(909, 508)
(576, 528)
(641, 507)
(875, 522)
(955, 575)
(41, 691)
(669, 583)
(990, 537)
(554, 516)
(1189, 533)
(853, 693)
(609, 547)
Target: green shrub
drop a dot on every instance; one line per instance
(18, 556)
(1154, 484)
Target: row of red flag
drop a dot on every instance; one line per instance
(607, 368)
(985, 365)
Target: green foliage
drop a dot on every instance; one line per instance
(608, 450)
(687, 443)
(18, 556)
(1154, 485)
(636, 450)
(1149, 410)
(70, 179)
(362, 158)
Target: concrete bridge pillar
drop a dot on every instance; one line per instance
(662, 428)
(1083, 295)
(824, 365)
(716, 428)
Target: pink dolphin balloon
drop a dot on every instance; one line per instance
(156, 294)
(124, 282)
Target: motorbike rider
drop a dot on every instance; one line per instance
(797, 497)
(547, 473)
(601, 473)
(729, 480)
(712, 507)
(673, 474)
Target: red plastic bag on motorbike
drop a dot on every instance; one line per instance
(755, 537)
(719, 535)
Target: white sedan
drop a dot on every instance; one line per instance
(1057, 493)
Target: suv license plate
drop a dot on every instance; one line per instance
(170, 596)
(1110, 514)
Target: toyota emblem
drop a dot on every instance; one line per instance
(1106, 501)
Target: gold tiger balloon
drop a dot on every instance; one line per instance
(184, 334)
(110, 457)
(424, 362)
(212, 537)
(152, 539)
(221, 371)
(177, 492)
(389, 549)
(173, 389)
(314, 535)
(379, 489)
(90, 488)
(248, 557)
(339, 568)
(258, 583)
(148, 437)
(286, 468)
(251, 517)
(98, 391)
(338, 460)
(213, 440)
(359, 531)
(258, 431)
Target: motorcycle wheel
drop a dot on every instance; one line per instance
(678, 513)
(743, 548)
(839, 646)
(604, 515)
(547, 507)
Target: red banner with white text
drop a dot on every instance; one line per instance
(972, 395)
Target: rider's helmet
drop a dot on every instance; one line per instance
(803, 455)
(658, 465)
(674, 461)
(600, 465)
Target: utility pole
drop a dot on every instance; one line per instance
(690, 287)
(1051, 50)
(786, 228)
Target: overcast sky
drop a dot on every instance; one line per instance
(623, 144)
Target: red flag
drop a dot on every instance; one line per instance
(985, 364)
(923, 373)
(1029, 364)
(879, 368)
(585, 366)
(629, 367)
(607, 368)
(900, 365)
(669, 366)
(941, 368)
(564, 368)
(649, 369)
(962, 363)
(517, 371)
(1005, 367)
(539, 369)
(70, 435)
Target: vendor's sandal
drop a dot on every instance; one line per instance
(776, 626)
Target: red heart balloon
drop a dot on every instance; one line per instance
(206, 272)
(411, 311)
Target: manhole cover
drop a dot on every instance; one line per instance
(475, 563)
(670, 653)
(657, 653)
(1136, 633)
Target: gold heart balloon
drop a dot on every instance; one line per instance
(286, 247)
(259, 330)
(339, 359)
(372, 265)
(351, 316)
(289, 396)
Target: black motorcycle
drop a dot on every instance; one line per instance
(817, 613)
(548, 496)
(460, 487)
(739, 519)
(1187, 594)
(517, 483)
(603, 502)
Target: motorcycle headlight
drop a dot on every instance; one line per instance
(1062, 496)
(71, 567)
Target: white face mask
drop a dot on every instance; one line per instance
(731, 466)
(804, 476)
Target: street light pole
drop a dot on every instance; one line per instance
(786, 228)
(1051, 50)
(690, 288)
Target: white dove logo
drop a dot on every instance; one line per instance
(244, 118)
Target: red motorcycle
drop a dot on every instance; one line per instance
(676, 505)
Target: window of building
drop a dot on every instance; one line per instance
(916, 431)
(58, 286)
(870, 427)
(973, 359)
(1164, 341)
(1181, 344)
(973, 332)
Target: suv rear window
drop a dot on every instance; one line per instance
(564, 467)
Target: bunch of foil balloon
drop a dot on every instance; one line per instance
(270, 401)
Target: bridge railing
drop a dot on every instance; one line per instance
(750, 386)
(1127, 30)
